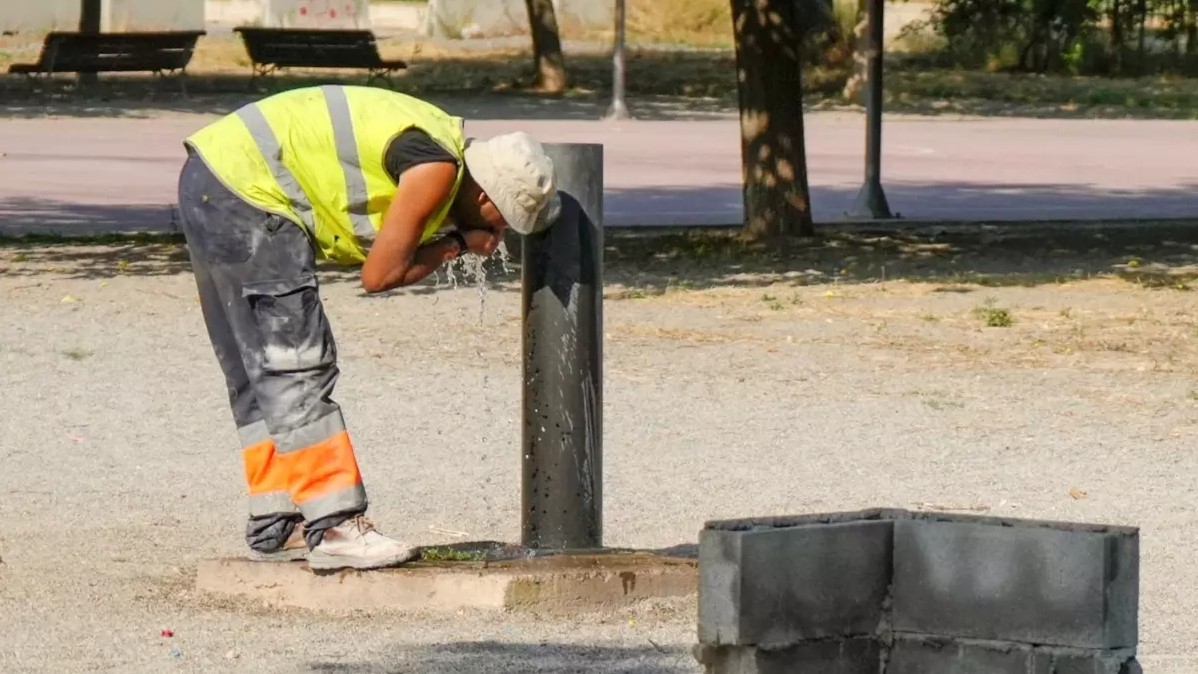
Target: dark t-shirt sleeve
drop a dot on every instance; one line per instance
(410, 148)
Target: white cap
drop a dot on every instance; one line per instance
(517, 175)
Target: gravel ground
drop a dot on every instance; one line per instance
(751, 396)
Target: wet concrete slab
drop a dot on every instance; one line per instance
(568, 583)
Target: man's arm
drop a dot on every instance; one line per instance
(397, 258)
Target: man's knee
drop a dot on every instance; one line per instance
(295, 333)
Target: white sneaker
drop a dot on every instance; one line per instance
(354, 544)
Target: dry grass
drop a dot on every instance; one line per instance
(1148, 257)
(1113, 302)
(701, 23)
(1099, 324)
(220, 66)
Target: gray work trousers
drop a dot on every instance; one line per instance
(256, 275)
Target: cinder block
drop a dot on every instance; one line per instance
(779, 586)
(1017, 580)
(1056, 661)
(937, 655)
(858, 655)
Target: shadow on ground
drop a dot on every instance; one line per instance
(653, 260)
(1163, 256)
(666, 84)
(485, 657)
(27, 215)
(720, 203)
(643, 263)
(662, 83)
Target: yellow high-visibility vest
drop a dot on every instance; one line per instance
(316, 157)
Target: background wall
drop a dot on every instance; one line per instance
(316, 13)
(132, 15)
(495, 18)
(35, 16)
(39, 15)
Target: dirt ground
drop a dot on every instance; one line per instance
(1043, 379)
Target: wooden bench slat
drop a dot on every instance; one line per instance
(314, 48)
(112, 52)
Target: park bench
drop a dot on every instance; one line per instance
(273, 48)
(157, 52)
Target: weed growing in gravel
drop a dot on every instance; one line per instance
(630, 294)
(451, 555)
(771, 301)
(994, 316)
(76, 354)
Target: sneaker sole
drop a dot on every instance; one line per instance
(281, 556)
(320, 561)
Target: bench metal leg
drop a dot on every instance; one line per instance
(162, 75)
(381, 74)
(260, 72)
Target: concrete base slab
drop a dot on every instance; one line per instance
(554, 584)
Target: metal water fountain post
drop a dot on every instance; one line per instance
(871, 200)
(562, 301)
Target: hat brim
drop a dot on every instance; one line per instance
(481, 164)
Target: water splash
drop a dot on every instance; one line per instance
(472, 269)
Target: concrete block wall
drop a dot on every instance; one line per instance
(895, 592)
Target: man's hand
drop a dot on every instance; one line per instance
(481, 241)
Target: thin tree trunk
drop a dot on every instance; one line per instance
(1117, 40)
(1192, 28)
(854, 88)
(773, 153)
(89, 22)
(1142, 12)
(547, 55)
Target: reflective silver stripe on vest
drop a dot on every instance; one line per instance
(272, 152)
(357, 197)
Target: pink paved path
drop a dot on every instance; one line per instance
(80, 174)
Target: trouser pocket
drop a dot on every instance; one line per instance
(295, 333)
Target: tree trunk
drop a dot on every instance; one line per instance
(547, 55)
(1192, 27)
(855, 86)
(774, 158)
(89, 22)
(1117, 40)
(1142, 18)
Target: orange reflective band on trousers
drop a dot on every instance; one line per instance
(322, 469)
(264, 473)
(307, 474)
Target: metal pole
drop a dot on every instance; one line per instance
(562, 277)
(89, 22)
(871, 200)
(618, 109)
